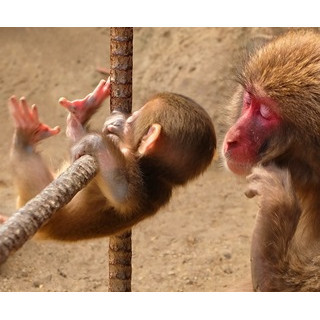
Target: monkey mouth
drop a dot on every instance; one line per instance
(241, 168)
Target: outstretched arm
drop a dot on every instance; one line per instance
(119, 177)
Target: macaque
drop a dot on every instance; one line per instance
(275, 140)
(142, 157)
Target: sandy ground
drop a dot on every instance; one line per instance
(201, 240)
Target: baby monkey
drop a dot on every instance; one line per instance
(142, 157)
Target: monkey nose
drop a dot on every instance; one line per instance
(232, 139)
(231, 144)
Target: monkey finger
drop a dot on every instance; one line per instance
(45, 131)
(99, 87)
(34, 111)
(55, 130)
(26, 114)
(24, 107)
(64, 102)
(72, 106)
(27, 119)
(250, 193)
(107, 83)
(13, 101)
(107, 88)
(13, 105)
(69, 105)
(102, 91)
(14, 109)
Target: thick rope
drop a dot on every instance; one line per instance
(27, 220)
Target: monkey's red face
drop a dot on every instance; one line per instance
(246, 139)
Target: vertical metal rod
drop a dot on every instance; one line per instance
(121, 51)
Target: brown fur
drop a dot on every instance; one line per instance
(183, 151)
(285, 244)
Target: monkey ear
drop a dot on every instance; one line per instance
(149, 140)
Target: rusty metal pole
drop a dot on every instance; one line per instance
(121, 50)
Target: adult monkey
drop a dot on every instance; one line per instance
(276, 111)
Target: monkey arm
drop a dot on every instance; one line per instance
(113, 201)
(272, 251)
(119, 177)
(30, 173)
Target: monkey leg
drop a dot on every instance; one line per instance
(30, 173)
(83, 109)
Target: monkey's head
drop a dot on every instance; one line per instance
(277, 105)
(173, 136)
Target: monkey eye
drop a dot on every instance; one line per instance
(265, 111)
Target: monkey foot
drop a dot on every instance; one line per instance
(83, 109)
(27, 123)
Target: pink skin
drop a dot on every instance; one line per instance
(244, 139)
(83, 109)
(26, 121)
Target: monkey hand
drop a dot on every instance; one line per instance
(115, 124)
(84, 108)
(29, 129)
(91, 144)
(272, 184)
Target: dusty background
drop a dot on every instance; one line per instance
(201, 240)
